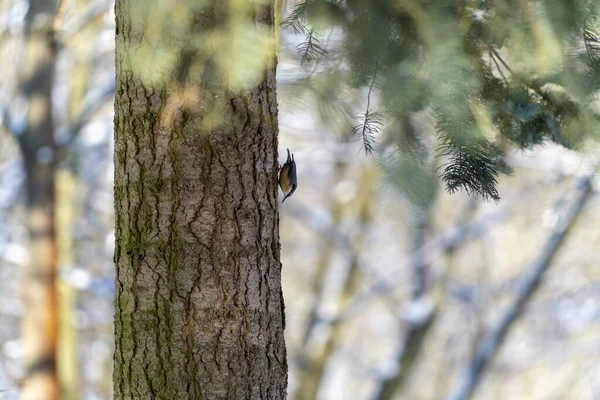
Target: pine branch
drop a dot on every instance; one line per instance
(311, 50)
(297, 18)
(472, 160)
(372, 122)
(591, 40)
(497, 55)
(498, 66)
(370, 126)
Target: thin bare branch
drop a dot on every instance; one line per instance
(312, 377)
(13, 125)
(425, 255)
(490, 344)
(68, 28)
(91, 104)
(428, 305)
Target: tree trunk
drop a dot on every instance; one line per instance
(40, 298)
(199, 310)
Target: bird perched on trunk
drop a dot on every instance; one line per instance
(287, 176)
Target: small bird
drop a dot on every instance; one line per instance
(287, 176)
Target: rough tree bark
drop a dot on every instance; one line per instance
(199, 309)
(40, 316)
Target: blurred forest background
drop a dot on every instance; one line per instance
(394, 288)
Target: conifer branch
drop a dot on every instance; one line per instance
(311, 49)
(296, 20)
(498, 67)
(497, 55)
(591, 41)
(371, 121)
(472, 160)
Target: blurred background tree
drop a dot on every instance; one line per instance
(394, 289)
(38, 36)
